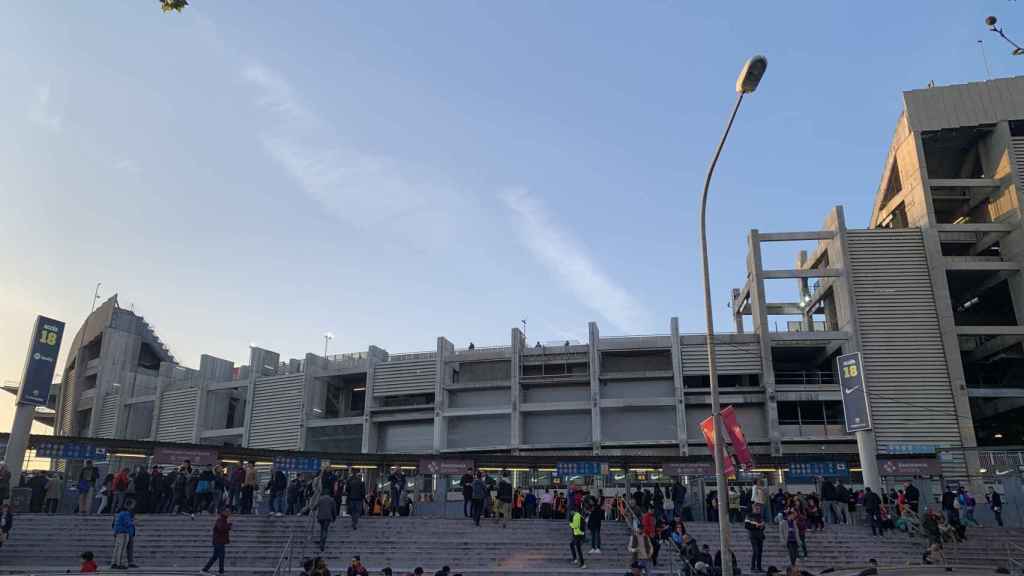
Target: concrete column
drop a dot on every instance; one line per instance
(17, 443)
(518, 342)
(951, 347)
(803, 290)
(201, 404)
(737, 313)
(759, 309)
(677, 381)
(595, 386)
(444, 349)
(373, 356)
(867, 446)
(261, 363)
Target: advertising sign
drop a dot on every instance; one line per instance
(197, 456)
(915, 467)
(808, 471)
(581, 469)
(71, 451)
(735, 432)
(41, 361)
(707, 426)
(297, 464)
(688, 469)
(912, 449)
(854, 392)
(444, 467)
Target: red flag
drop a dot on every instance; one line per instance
(707, 426)
(739, 441)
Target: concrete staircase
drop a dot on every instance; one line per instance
(52, 544)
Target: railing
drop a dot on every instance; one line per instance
(347, 356)
(805, 378)
(411, 356)
(475, 348)
(1001, 459)
(286, 561)
(813, 431)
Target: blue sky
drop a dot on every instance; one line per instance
(396, 171)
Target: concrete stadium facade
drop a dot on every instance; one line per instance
(931, 294)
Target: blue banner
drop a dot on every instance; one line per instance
(581, 469)
(912, 449)
(41, 361)
(808, 471)
(295, 464)
(71, 451)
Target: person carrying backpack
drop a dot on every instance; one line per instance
(503, 507)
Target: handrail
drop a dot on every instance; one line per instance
(287, 557)
(1011, 562)
(285, 553)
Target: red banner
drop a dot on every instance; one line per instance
(739, 441)
(707, 426)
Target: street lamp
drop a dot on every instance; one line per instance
(747, 82)
(327, 338)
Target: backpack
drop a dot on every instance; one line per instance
(202, 486)
(505, 491)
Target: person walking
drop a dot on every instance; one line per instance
(397, 481)
(792, 535)
(873, 508)
(967, 506)
(754, 524)
(221, 538)
(277, 485)
(995, 502)
(124, 529)
(841, 504)
(54, 492)
(594, 520)
(503, 506)
(355, 490)
(248, 488)
(576, 544)
(5, 482)
(678, 499)
(325, 515)
(912, 496)
(467, 492)
(640, 548)
(6, 522)
(87, 478)
(479, 492)
(120, 488)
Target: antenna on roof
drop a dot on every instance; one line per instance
(984, 58)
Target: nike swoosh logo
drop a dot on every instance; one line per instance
(850, 390)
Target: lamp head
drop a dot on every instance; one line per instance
(991, 22)
(750, 76)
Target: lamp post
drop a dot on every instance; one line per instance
(747, 82)
(328, 336)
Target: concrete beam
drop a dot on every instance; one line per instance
(958, 263)
(806, 273)
(818, 335)
(578, 406)
(635, 402)
(986, 241)
(990, 330)
(979, 227)
(797, 236)
(995, 392)
(993, 346)
(963, 183)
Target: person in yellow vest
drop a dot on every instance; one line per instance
(576, 546)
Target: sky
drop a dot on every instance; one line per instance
(262, 173)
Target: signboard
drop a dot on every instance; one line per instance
(854, 392)
(903, 467)
(297, 464)
(808, 471)
(41, 361)
(197, 456)
(581, 469)
(912, 449)
(688, 468)
(71, 451)
(444, 467)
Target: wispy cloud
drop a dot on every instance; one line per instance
(276, 93)
(569, 261)
(369, 192)
(41, 110)
(127, 166)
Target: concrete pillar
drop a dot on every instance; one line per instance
(759, 309)
(804, 290)
(261, 363)
(444, 349)
(17, 443)
(595, 386)
(373, 356)
(518, 342)
(677, 381)
(867, 446)
(737, 312)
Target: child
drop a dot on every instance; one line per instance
(88, 563)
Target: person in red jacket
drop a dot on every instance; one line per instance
(88, 562)
(221, 538)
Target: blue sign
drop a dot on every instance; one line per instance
(856, 409)
(581, 469)
(808, 471)
(912, 449)
(41, 361)
(296, 464)
(71, 451)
